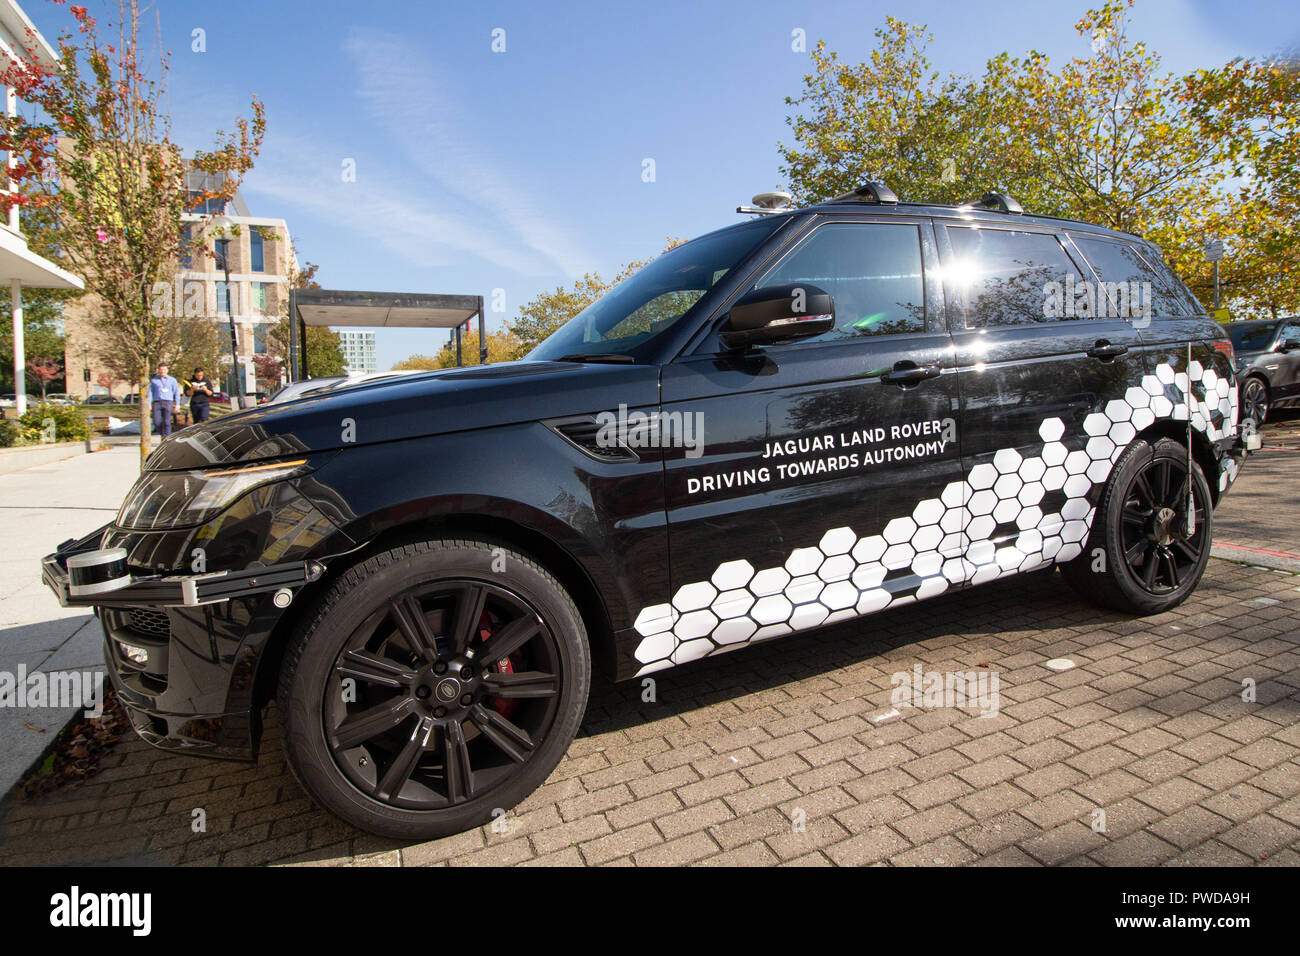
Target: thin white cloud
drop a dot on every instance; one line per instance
(407, 98)
(380, 207)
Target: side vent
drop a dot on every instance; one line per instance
(583, 432)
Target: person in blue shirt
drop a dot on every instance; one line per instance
(164, 394)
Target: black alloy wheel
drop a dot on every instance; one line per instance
(434, 686)
(1162, 548)
(441, 693)
(1254, 401)
(1147, 549)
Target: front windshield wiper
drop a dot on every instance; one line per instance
(598, 357)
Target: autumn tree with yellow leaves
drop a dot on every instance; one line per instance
(1110, 138)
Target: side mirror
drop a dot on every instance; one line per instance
(781, 313)
(1289, 345)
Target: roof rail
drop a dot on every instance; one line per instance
(876, 192)
(998, 202)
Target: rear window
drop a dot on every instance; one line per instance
(1004, 276)
(1133, 284)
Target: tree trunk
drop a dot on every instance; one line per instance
(146, 436)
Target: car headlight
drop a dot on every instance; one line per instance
(170, 499)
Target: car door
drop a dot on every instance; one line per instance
(1035, 359)
(815, 494)
(1287, 377)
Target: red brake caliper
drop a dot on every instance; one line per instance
(487, 625)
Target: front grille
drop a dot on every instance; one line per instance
(148, 621)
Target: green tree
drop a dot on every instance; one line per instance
(1110, 138)
(895, 118)
(547, 311)
(42, 331)
(503, 346)
(324, 347)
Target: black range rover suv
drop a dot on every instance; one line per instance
(796, 420)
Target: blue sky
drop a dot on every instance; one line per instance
(522, 170)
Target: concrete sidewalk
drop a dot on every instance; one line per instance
(41, 507)
(1257, 522)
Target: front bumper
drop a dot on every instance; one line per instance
(175, 648)
(185, 651)
(178, 590)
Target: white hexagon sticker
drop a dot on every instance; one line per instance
(732, 574)
(1096, 424)
(837, 541)
(770, 581)
(899, 530)
(982, 476)
(695, 624)
(869, 549)
(928, 511)
(691, 597)
(803, 561)
(1007, 461)
(772, 610)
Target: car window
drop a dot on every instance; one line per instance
(1290, 331)
(1134, 287)
(873, 270)
(1175, 286)
(1252, 338)
(658, 296)
(1006, 276)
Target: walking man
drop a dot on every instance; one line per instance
(164, 394)
(200, 396)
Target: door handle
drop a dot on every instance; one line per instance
(909, 373)
(1105, 352)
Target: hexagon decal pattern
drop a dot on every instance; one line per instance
(944, 541)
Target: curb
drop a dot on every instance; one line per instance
(1257, 557)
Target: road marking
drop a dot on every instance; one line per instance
(1272, 554)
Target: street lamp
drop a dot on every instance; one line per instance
(221, 249)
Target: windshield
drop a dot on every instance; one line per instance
(653, 300)
(1253, 338)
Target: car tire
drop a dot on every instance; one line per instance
(1139, 558)
(456, 739)
(1255, 400)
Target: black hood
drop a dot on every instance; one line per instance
(411, 406)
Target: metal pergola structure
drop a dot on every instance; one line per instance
(335, 307)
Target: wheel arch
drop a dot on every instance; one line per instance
(553, 556)
(1255, 373)
(1202, 449)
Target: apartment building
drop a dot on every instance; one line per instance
(260, 263)
(358, 352)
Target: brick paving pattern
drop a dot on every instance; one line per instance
(785, 753)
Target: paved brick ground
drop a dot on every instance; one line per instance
(1149, 726)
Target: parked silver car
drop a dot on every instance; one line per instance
(1268, 365)
(315, 386)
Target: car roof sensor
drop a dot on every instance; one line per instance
(765, 204)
